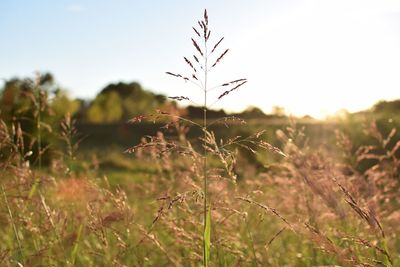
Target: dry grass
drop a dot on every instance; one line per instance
(310, 208)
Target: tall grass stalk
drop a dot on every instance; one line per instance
(41, 102)
(207, 227)
(21, 253)
(204, 34)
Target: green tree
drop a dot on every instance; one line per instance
(61, 104)
(106, 108)
(122, 101)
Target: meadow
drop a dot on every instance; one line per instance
(164, 189)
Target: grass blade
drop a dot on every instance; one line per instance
(76, 246)
(21, 253)
(207, 237)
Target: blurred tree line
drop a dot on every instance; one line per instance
(19, 99)
(117, 102)
(25, 101)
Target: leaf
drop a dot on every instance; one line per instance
(74, 252)
(386, 258)
(207, 236)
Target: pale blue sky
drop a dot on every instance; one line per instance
(311, 56)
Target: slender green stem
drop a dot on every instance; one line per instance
(182, 119)
(13, 225)
(251, 241)
(38, 180)
(39, 134)
(205, 189)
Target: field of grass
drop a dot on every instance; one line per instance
(302, 206)
(165, 190)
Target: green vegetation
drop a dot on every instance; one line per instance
(192, 190)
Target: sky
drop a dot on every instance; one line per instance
(311, 57)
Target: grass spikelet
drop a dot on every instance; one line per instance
(232, 82)
(217, 44)
(195, 58)
(267, 208)
(179, 98)
(229, 91)
(220, 58)
(190, 64)
(205, 29)
(197, 47)
(208, 35)
(196, 31)
(177, 75)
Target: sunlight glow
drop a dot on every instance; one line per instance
(322, 57)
